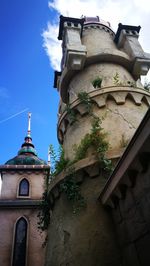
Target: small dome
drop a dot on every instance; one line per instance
(27, 147)
(97, 20)
(27, 155)
(26, 160)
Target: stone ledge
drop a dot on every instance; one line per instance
(13, 204)
(5, 167)
(89, 165)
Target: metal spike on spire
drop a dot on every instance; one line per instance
(49, 158)
(29, 124)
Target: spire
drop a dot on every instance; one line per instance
(29, 125)
(27, 154)
(49, 158)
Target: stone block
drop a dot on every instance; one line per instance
(142, 246)
(116, 214)
(144, 205)
(126, 203)
(130, 256)
(92, 170)
(122, 233)
(135, 223)
(75, 59)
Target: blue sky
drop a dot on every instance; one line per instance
(26, 67)
(26, 77)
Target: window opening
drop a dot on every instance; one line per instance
(19, 252)
(24, 187)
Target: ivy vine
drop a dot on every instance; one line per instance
(86, 100)
(44, 211)
(96, 139)
(97, 82)
(71, 114)
(73, 192)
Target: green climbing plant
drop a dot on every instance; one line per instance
(58, 163)
(44, 211)
(71, 114)
(97, 82)
(73, 192)
(58, 160)
(116, 79)
(95, 139)
(86, 100)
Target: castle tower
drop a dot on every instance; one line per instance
(22, 188)
(99, 78)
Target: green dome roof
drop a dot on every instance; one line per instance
(26, 160)
(27, 149)
(27, 155)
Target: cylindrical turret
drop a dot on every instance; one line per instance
(108, 77)
(99, 80)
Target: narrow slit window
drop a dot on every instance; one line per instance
(24, 187)
(20, 243)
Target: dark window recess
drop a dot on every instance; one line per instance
(133, 32)
(24, 187)
(19, 254)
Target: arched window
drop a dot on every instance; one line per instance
(19, 252)
(24, 187)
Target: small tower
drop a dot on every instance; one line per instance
(106, 67)
(22, 188)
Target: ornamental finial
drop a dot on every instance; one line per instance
(29, 124)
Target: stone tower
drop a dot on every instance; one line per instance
(106, 67)
(22, 188)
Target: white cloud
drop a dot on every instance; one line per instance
(131, 12)
(52, 45)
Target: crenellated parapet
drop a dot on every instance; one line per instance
(127, 39)
(74, 52)
(89, 41)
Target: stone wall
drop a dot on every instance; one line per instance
(83, 238)
(10, 184)
(35, 251)
(132, 219)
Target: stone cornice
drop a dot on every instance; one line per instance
(16, 168)
(100, 26)
(20, 204)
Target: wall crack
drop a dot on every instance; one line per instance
(116, 112)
